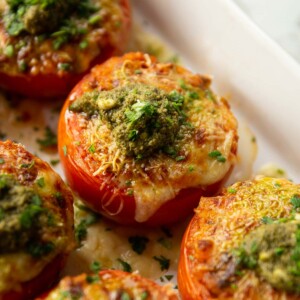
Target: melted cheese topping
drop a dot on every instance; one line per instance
(225, 220)
(160, 178)
(20, 266)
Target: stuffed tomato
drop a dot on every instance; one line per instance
(109, 284)
(244, 244)
(47, 46)
(36, 223)
(141, 141)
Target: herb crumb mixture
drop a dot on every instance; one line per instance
(255, 234)
(36, 216)
(48, 36)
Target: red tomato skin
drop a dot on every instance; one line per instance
(43, 281)
(88, 187)
(189, 289)
(52, 85)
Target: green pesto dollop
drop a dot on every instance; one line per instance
(21, 218)
(38, 17)
(143, 119)
(273, 251)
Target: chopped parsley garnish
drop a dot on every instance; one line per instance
(125, 296)
(81, 228)
(139, 109)
(65, 150)
(41, 182)
(182, 84)
(295, 200)
(95, 266)
(2, 161)
(92, 278)
(28, 166)
(138, 243)
(169, 277)
(231, 191)
(245, 259)
(40, 249)
(49, 140)
(144, 295)
(54, 162)
(92, 148)
(267, 220)
(164, 262)
(217, 155)
(64, 66)
(126, 266)
(9, 51)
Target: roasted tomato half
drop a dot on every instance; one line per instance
(244, 244)
(141, 141)
(109, 284)
(47, 46)
(36, 223)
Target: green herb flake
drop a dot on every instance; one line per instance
(92, 278)
(182, 84)
(267, 220)
(126, 266)
(28, 166)
(38, 250)
(95, 266)
(217, 155)
(214, 154)
(83, 45)
(137, 72)
(94, 20)
(278, 251)
(65, 150)
(125, 296)
(138, 243)
(49, 140)
(22, 65)
(92, 148)
(144, 295)
(64, 67)
(164, 262)
(28, 216)
(192, 95)
(191, 168)
(2, 161)
(231, 191)
(41, 182)
(54, 162)
(280, 171)
(169, 277)
(295, 201)
(180, 158)
(9, 51)
(81, 228)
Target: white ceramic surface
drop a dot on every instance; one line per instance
(261, 80)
